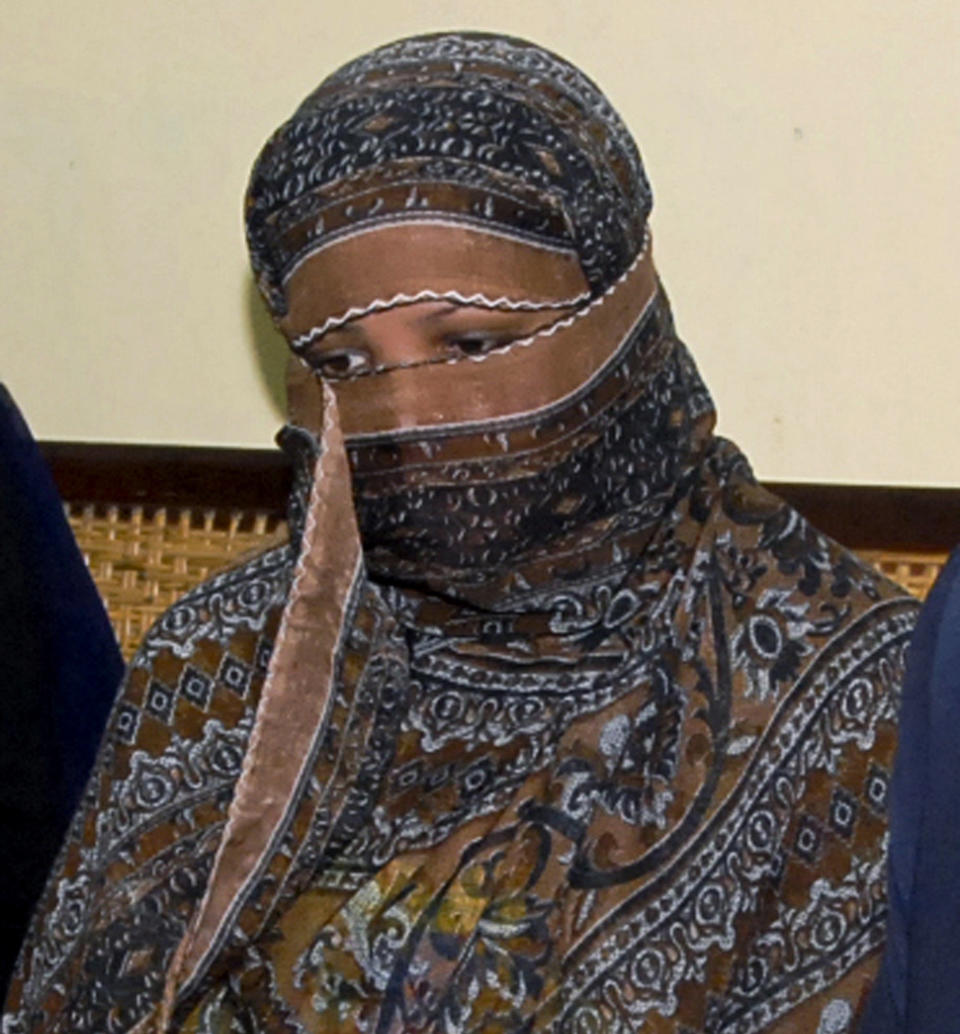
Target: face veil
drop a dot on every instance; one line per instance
(548, 718)
(475, 158)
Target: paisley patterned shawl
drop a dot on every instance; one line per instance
(548, 717)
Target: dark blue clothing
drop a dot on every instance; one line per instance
(60, 667)
(918, 990)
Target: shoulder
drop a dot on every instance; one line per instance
(159, 791)
(241, 597)
(799, 556)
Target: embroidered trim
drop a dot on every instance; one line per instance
(175, 989)
(382, 304)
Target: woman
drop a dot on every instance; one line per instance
(548, 717)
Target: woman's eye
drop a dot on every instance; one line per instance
(477, 344)
(346, 362)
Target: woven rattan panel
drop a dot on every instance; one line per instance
(916, 572)
(142, 561)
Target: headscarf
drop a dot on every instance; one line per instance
(549, 717)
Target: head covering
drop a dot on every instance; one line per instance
(549, 718)
(470, 130)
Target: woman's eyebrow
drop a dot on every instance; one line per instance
(349, 329)
(478, 312)
(443, 309)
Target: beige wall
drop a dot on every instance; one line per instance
(805, 161)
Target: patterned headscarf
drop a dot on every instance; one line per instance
(549, 717)
(468, 128)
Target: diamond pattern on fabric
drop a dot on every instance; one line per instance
(196, 686)
(159, 701)
(878, 785)
(843, 812)
(261, 658)
(808, 839)
(235, 674)
(127, 723)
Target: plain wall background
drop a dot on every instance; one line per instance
(805, 161)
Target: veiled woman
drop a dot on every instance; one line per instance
(548, 717)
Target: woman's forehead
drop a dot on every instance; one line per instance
(428, 313)
(402, 264)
